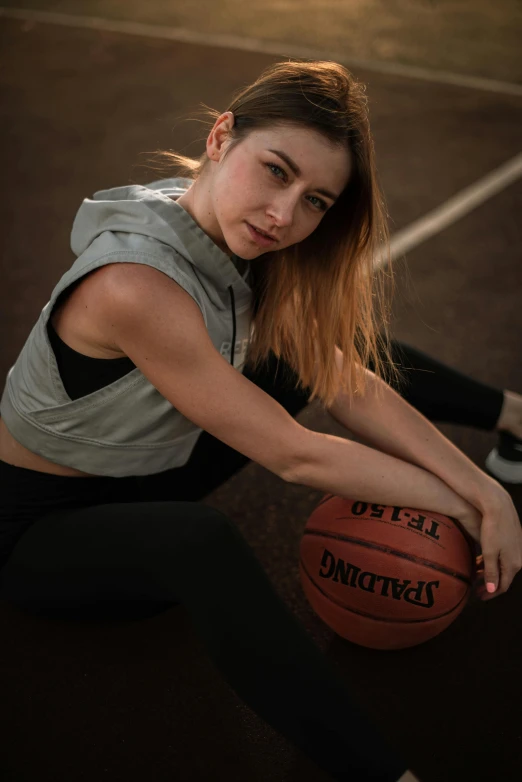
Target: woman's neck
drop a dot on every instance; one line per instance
(197, 201)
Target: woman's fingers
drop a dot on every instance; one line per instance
(502, 554)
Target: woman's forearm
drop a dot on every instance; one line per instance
(355, 471)
(385, 421)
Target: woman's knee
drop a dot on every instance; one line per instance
(142, 551)
(172, 535)
(192, 524)
(121, 537)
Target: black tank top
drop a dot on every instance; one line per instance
(82, 375)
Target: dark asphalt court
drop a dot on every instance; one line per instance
(141, 700)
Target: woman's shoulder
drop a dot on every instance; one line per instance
(80, 317)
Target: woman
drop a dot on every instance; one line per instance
(199, 317)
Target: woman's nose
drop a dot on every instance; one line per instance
(281, 211)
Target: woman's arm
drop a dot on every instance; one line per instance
(352, 470)
(385, 421)
(414, 465)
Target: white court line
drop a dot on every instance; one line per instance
(454, 208)
(276, 48)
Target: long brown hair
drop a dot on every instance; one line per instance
(329, 289)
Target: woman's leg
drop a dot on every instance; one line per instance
(444, 394)
(125, 560)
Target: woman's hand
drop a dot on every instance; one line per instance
(495, 525)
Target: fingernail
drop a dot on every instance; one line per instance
(490, 587)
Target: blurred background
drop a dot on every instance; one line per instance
(481, 38)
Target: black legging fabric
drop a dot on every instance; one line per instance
(123, 548)
(444, 394)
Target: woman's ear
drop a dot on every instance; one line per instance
(219, 136)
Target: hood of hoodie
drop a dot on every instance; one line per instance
(150, 211)
(138, 214)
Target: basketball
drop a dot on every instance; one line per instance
(384, 577)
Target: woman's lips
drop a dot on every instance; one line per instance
(262, 241)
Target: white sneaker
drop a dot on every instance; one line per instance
(505, 461)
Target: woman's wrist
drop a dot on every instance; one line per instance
(490, 495)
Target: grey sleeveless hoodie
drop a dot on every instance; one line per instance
(127, 427)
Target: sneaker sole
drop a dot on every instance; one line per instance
(503, 469)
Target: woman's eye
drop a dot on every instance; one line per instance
(273, 166)
(320, 203)
(280, 173)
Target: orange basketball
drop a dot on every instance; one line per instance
(384, 577)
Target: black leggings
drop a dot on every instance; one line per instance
(134, 547)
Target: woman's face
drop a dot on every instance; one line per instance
(280, 180)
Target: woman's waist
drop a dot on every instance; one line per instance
(27, 494)
(17, 455)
